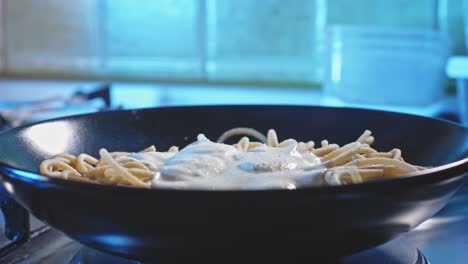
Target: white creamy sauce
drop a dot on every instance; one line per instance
(208, 165)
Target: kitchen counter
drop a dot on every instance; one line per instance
(137, 95)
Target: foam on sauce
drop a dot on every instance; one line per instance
(208, 165)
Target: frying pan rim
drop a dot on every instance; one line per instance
(427, 176)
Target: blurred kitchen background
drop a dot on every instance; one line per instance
(66, 57)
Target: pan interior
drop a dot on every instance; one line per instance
(423, 141)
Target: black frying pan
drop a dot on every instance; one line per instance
(150, 223)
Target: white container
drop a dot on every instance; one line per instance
(457, 68)
(465, 22)
(385, 66)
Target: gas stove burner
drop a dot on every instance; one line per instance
(88, 255)
(398, 251)
(395, 252)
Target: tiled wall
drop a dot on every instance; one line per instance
(268, 41)
(152, 38)
(444, 15)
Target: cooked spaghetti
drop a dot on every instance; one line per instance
(248, 164)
